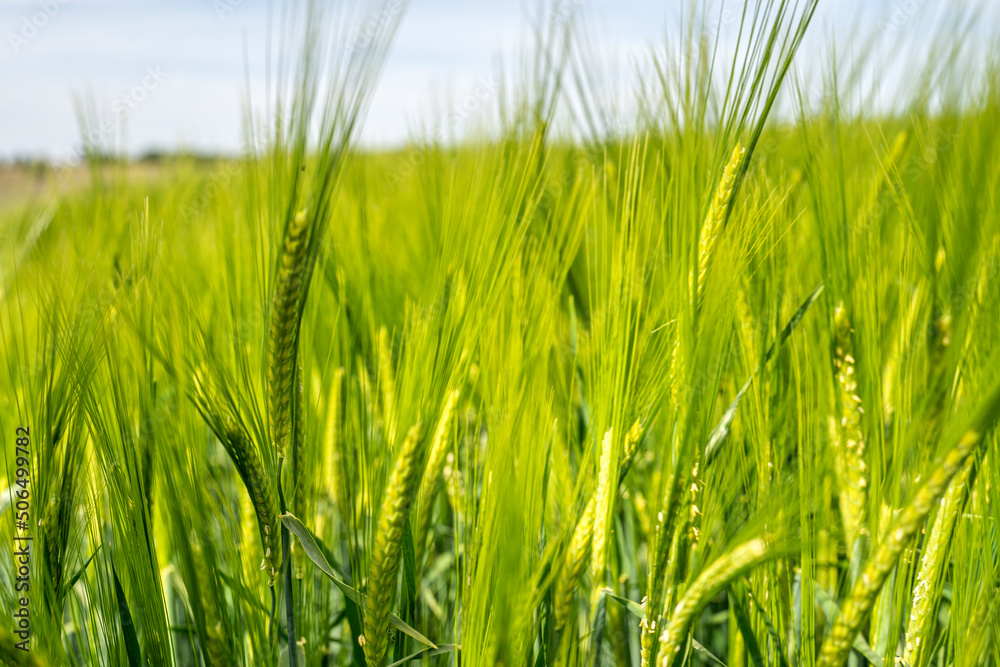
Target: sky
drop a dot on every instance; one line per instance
(175, 75)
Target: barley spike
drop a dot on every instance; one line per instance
(388, 548)
(284, 330)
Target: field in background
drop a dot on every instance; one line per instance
(720, 389)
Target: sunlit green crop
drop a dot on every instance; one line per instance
(720, 389)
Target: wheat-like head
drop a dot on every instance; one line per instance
(262, 496)
(848, 441)
(727, 567)
(716, 217)
(283, 331)
(603, 501)
(388, 547)
(432, 474)
(838, 643)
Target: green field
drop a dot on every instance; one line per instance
(718, 389)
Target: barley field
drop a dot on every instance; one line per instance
(716, 387)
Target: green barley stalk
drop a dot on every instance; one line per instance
(981, 624)
(580, 542)
(284, 332)
(932, 564)
(715, 220)
(629, 449)
(299, 494)
(936, 544)
(602, 508)
(715, 578)
(854, 612)
(262, 496)
(334, 443)
(576, 560)
(660, 542)
(432, 475)
(384, 566)
(849, 443)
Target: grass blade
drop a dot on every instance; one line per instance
(316, 556)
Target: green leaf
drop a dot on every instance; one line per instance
(244, 593)
(597, 627)
(705, 652)
(634, 608)
(574, 335)
(71, 582)
(721, 430)
(744, 625)
(128, 627)
(428, 653)
(409, 566)
(305, 537)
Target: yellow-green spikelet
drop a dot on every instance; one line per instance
(848, 440)
(938, 539)
(583, 536)
(432, 474)
(576, 559)
(715, 577)
(261, 496)
(603, 501)
(281, 351)
(384, 566)
(716, 217)
(333, 463)
(853, 613)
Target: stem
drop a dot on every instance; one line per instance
(293, 656)
(270, 621)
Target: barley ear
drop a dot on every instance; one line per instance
(334, 470)
(981, 624)
(931, 568)
(729, 566)
(854, 612)
(934, 558)
(715, 220)
(432, 474)
(603, 502)
(585, 533)
(661, 541)
(848, 442)
(283, 333)
(576, 559)
(384, 566)
(629, 449)
(258, 486)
